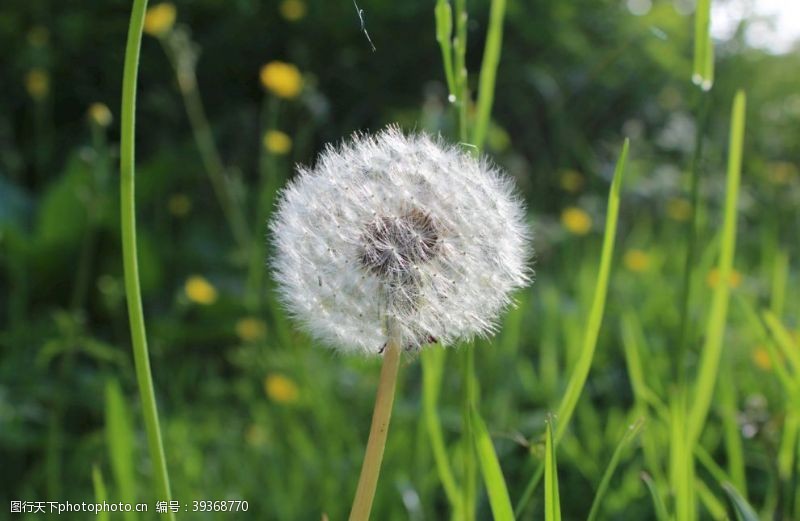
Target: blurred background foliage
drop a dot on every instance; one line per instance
(250, 409)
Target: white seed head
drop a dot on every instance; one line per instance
(401, 232)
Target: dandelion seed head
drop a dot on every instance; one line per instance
(402, 230)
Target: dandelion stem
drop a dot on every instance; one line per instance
(129, 259)
(368, 480)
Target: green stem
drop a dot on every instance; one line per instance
(373, 456)
(129, 258)
(470, 470)
(460, 48)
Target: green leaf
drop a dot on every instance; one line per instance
(499, 499)
(488, 75)
(119, 437)
(658, 503)
(100, 494)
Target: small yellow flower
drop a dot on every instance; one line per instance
(576, 220)
(38, 36)
(782, 173)
(179, 205)
(200, 291)
(100, 115)
(277, 142)
(37, 83)
(761, 358)
(282, 79)
(159, 19)
(251, 328)
(255, 435)
(571, 181)
(679, 209)
(734, 280)
(293, 10)
(636, 261)
(281, 388)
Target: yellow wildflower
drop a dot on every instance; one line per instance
(255, 435)
(576, 220)
(281, 388)
(734, 279)
(282, 79)
(636, 261)
(159, 19)
(293, 10)
(179, 205)
(37, 83)
(200, 291)
(782, 173)
(761, 358)
(38, 36)
(679, 209)
(250, 328)
(100, 115)
(571, 180)
(277, 142)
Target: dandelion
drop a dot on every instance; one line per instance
(250, 329)
(571, 181)
(734, 279)
(761, 358)
(637, 261)
(282, 79)
(200, 291)
(179, 205)
(396, 241)
(100, 115)
(399, 235)
(159, 19)
(281, 389)
(293, 10)
(576, 220)
(37, 83)
(277, 142)
(679, 209)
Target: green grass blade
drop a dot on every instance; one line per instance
(713, 505)
(658, 503)
(496, 489)
(703, 68)
(488, 74)
(120, 441)
(740, 506)
(584, 363)
(432, 367)
(780, 277)
(444, 34)
(715, 329)
(100, 494)
(681, 460)
(552, 503)
(630, 435)
(784, 340)
(789, 445)
(730, 426)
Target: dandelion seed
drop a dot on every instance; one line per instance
(576, 221)
(159, 19)
(282, 79)
(277, 142)
(200, 291)
(403, 233)
(281, 389)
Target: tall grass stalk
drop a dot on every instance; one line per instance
(499, 500)
(144, 376)
(552, 502)
(584, 363)
(715, 329)
(488, 75)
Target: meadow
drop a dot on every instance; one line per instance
(651, 370)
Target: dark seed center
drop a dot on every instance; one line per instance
(391, 246)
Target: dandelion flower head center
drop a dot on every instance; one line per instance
(393, 246)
